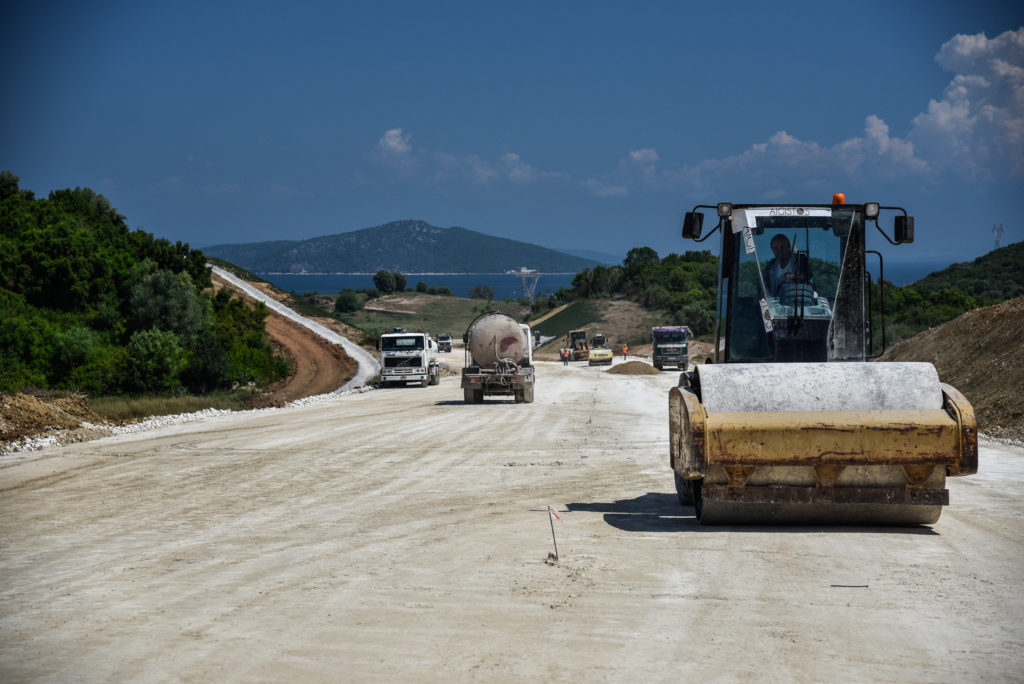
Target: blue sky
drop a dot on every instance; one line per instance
(570, 125)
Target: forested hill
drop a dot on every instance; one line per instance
(995, 276)
(402, 246)
(91, 306)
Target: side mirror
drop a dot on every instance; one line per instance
(904, 230)
(693, 223)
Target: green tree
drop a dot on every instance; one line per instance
(637, 259)
(481, 292)
(347, 301)
(384, 281)
(8, 184)
(155, 361)
(168, 301)
(400, 281)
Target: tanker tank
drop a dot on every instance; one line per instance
(499, 359)
(496, 336)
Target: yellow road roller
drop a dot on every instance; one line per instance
(790, 421)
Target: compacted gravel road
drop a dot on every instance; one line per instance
(400, 534)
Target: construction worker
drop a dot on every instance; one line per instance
(625, 350)
(565, 357)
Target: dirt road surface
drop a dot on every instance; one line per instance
(400, 534)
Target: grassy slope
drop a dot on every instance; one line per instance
(432, 313)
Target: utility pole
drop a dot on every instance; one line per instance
(528, 277)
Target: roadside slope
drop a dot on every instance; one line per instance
(980, 354)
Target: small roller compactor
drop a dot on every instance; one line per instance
(791, 422)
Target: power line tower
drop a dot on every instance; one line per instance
(997, 233)
(528, 277)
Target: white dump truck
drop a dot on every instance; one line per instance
(408, 357)
(499, 359)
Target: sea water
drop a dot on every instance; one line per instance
(505, 286)
(508, 286)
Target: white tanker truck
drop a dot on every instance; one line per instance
(499, 359)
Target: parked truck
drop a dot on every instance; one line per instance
(408, 357)
(444, 342)
(499, 359)
(669, 346)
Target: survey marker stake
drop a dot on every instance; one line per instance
(551, 519)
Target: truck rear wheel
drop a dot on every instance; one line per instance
(467, 395)
(658, 365)
(528, 395)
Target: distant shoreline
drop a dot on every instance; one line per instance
(407, 273)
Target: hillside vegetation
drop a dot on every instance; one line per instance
(91, 306)
(404, 246)
(995, 276)
(681, 290)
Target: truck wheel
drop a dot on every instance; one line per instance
(425, 381)
(435, 378)
(658, 365)
(478, 397)
(528, 395)
(519, 397)
(468, 395)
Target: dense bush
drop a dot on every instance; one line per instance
(481, 292)
(347, 301)
(684, 286)
(89, 305)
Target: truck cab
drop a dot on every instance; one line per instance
(408, 357)
(670, 346)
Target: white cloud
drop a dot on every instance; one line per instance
(394, 149)
(480, 171)
(977, 126)
(395, 143)
(805, 165)
(516, 169)
(645, 155)
(602, 189)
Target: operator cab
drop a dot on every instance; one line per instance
(792, 281)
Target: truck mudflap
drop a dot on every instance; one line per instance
(854, 465)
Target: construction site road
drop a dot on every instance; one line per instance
(401, 534)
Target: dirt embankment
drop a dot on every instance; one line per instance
(981, 353)
(23, 415)
(318, 367)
